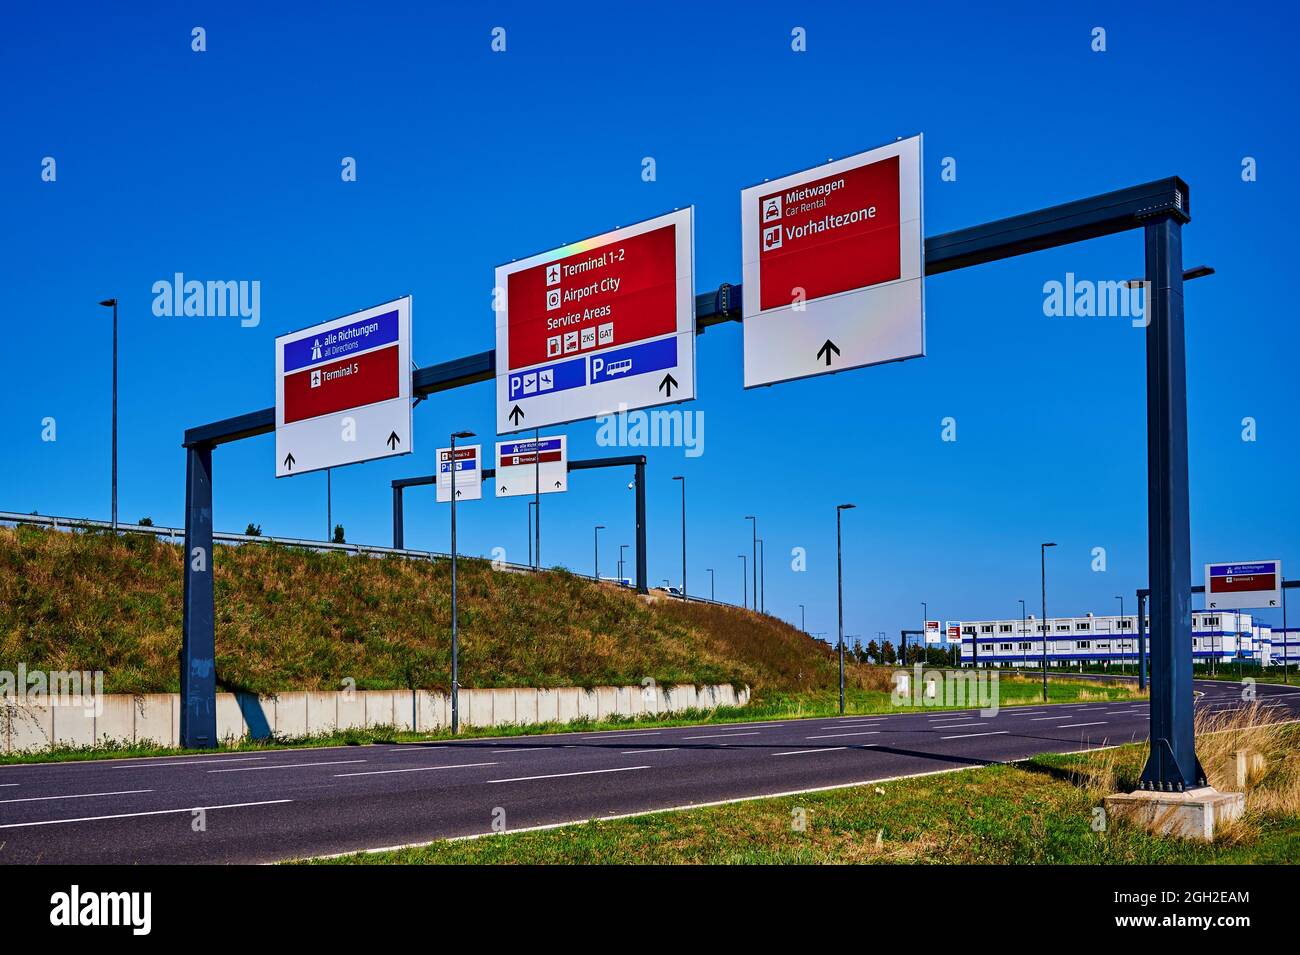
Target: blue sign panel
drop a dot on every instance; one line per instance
(338, 342)
(634, 360)
(548, 379)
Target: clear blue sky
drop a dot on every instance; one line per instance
(225, 165)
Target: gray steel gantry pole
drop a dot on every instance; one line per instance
(1172, 765)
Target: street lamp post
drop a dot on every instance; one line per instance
(744, 582)
(803, 619)
(713, 594)
(839, 592)
(1042, 553)
(455, 634)
(762, 577)
(754, 564)
(621, 548)
(1121, 626)
(596, 536)
(530, 533)
(921, 649)
(1024, 652)
(683, 480)
(112, 303)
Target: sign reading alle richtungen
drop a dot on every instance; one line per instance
(834, 264)
(343, 390)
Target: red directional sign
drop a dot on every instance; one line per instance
(595, 298)
(840, 232)
(835, 254)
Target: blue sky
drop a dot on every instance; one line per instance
(225, 165)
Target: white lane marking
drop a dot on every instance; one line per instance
(648, 752)
(523, 749)
(413, 748)
(188, 762)
(585, 772)
(123, 792)
(6, 785)
(411, 769)
(250, 769)
(1067, 726)
(720, 735)
(614, 738)
(834, 735)
(1037, 719)
(134, 815)
(969, 735)
(801, 752)
(954, 726)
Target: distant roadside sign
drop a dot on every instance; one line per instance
(599, 326)
(834, 264)
(953, 630)
(343, 390)
(469, 473)
(933, 634)
(524, 465)
(1247, 585)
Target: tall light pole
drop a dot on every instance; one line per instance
(621, 548)
(839, 592)
(537, 492)
(683, 480)
(329, 505)
(803, 619)
(754, 564)
(1120, 598)
(762, 577)
(1042, 554)
(530, 533)
(1024, 653)
(112, 303)
(455, 633)
(925, 616)
(744, 582)
(596, 536)
(713, 594)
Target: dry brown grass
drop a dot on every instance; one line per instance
(292, 619)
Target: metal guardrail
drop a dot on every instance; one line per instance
(176, 535)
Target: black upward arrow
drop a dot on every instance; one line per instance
(668, 384)
(288, 461)
(503, 489)
(557, 483)
(393, 441)
(828, 346)
(516, 415)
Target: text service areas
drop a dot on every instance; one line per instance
(606, 321)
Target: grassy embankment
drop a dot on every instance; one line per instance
(290, 620)
(1041, 811)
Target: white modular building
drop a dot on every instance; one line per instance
(1222, 636)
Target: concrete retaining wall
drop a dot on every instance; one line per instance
(155, 717)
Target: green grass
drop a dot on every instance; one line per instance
(1040, 811)
(763, 706)
(291, 619)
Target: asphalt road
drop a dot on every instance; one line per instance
(273, 805)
